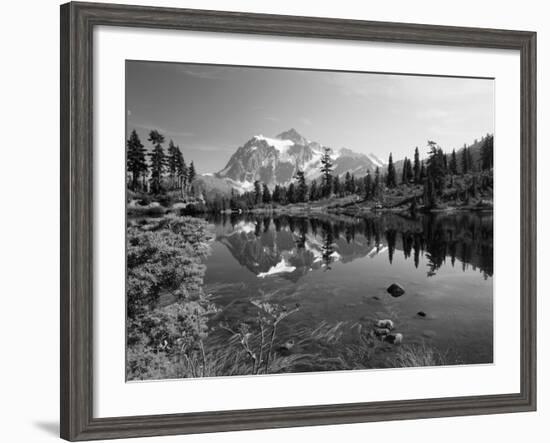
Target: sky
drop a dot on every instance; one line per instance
(211, 110)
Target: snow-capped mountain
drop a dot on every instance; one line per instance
(276, 160)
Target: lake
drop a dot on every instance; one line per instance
(337, 270)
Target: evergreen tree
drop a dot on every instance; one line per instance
(172, 162)
(486, 153)
(266, 194)
(429, 193)
(368, 186)
(301, 188)
(407, 174)
(337, 187)
(326, 171)
(234, 201)
(191, 173)
(435, 169)
(135, 159)
(453, 166)
(358, 186)
(416, 167)
(348, 185)
(444, 159)
(283, 196)
(313, 191)
(410, 173)
(376, 186)
(291, 193)
(466, 160)
(422, 172)
(391, 181)
(191, 176)
(158, 160)
(181, 170)
(257, 192)
(473, 188)
(277, 197)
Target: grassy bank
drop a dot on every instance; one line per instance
(467, 192)
(261, 344)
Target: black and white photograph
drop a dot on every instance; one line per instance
(286, 220)
(229, 221)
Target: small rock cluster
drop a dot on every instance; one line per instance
(383, 330)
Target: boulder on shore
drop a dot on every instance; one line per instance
(396, 290)
(380, 332)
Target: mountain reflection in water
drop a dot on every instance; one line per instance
(265, 244)
(338, 268)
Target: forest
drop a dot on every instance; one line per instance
(438, 181)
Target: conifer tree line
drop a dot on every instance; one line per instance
(433, 175)
(158, 170)
(441, 167)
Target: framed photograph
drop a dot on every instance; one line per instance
(272, 221)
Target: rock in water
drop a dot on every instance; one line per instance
(380, 332)
(385, 324)
(394, 339)
(396, 290)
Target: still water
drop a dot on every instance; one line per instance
(338, 268)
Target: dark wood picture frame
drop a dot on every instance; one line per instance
(77, 23)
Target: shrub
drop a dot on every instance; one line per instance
(164, 257)
(194, 208)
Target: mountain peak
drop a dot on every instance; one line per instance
(275, 161)
(293, 135)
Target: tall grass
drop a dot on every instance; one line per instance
(420, 355)
(324, 348)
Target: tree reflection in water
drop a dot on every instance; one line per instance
(466, 236)
(327, 248)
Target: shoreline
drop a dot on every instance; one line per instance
(298, 209)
